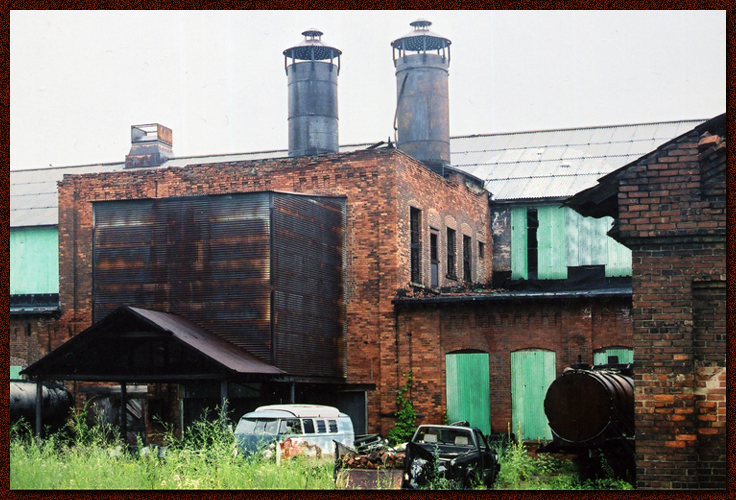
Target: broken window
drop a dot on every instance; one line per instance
(467, 259)
(532, 248)
(451, 271)
(434, 257)
(416, 245)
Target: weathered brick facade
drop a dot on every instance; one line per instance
(672, 214)
(571, 327)
(381, 185)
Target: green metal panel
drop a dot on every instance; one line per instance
(468, 389)
(532, 372)
(624, 355)
(552, 243)
(519, 269)
(34, 260)
(588, 244)
(15, 372)
(619, 256)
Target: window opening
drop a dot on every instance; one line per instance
(451, 254)
(416, 245)
(434, 258)
(308, 426)
(333, 425)
(481, 250)
(321, 427)
(532, 224)
(467, 259)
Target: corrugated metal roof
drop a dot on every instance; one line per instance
(557, 163)
(213, 347)
(120, 333)
(515, 166)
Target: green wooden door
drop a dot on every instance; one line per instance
(624, 355)
(468, 389)
(532, 372)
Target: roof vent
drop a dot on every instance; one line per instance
(150, 145)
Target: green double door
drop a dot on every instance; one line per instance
(468, 389)
(532, 372)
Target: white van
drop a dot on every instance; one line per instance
(293, 429)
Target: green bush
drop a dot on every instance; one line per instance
(406, 416)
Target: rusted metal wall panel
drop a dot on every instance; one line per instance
(215, 260)
(308, 287)
(206, 258)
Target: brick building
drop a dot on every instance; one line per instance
(670, 208)
(384, 191)
(458, 263)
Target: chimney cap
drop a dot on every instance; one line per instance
(420, 39)
(312, 48)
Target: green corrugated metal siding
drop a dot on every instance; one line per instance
(468, 389)
(532, 372)
(34, 260)
(624, 355)
(519, 269)
(566, 239)
(551, 243)
(619, 257)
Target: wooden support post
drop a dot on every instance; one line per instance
(123, 412)
(39, 407)
(223, 402)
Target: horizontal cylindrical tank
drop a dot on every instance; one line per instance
(312, 69)
(55, 405)
(585, 407)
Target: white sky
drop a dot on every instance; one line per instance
(80, 79)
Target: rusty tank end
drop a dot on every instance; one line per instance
(586, 407)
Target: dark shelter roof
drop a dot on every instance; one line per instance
(132, 344)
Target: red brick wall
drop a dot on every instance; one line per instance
(32, 337)
(674, 221)
(571, 328)
(380, 185)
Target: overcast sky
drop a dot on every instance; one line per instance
(79, 80)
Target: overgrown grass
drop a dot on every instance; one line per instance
(521, 471)
(206, 457)
(92, 456)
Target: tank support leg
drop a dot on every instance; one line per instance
(39, 403)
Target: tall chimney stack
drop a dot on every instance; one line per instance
(422, 122)
(312, 68)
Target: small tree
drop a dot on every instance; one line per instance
(405, 416)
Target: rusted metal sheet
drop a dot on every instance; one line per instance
(261, 270)
(308, 285)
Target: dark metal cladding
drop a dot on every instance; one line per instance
(422, 123)
(308, 286)
(312, 81)
(214, 261)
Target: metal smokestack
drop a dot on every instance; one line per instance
(312, 76)
(422, 123)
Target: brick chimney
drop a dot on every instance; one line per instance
(150, 145)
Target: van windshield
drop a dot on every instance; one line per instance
(260, 426)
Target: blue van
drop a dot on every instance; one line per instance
(291, 430)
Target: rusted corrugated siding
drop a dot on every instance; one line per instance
(308, 287)
(211, 259)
